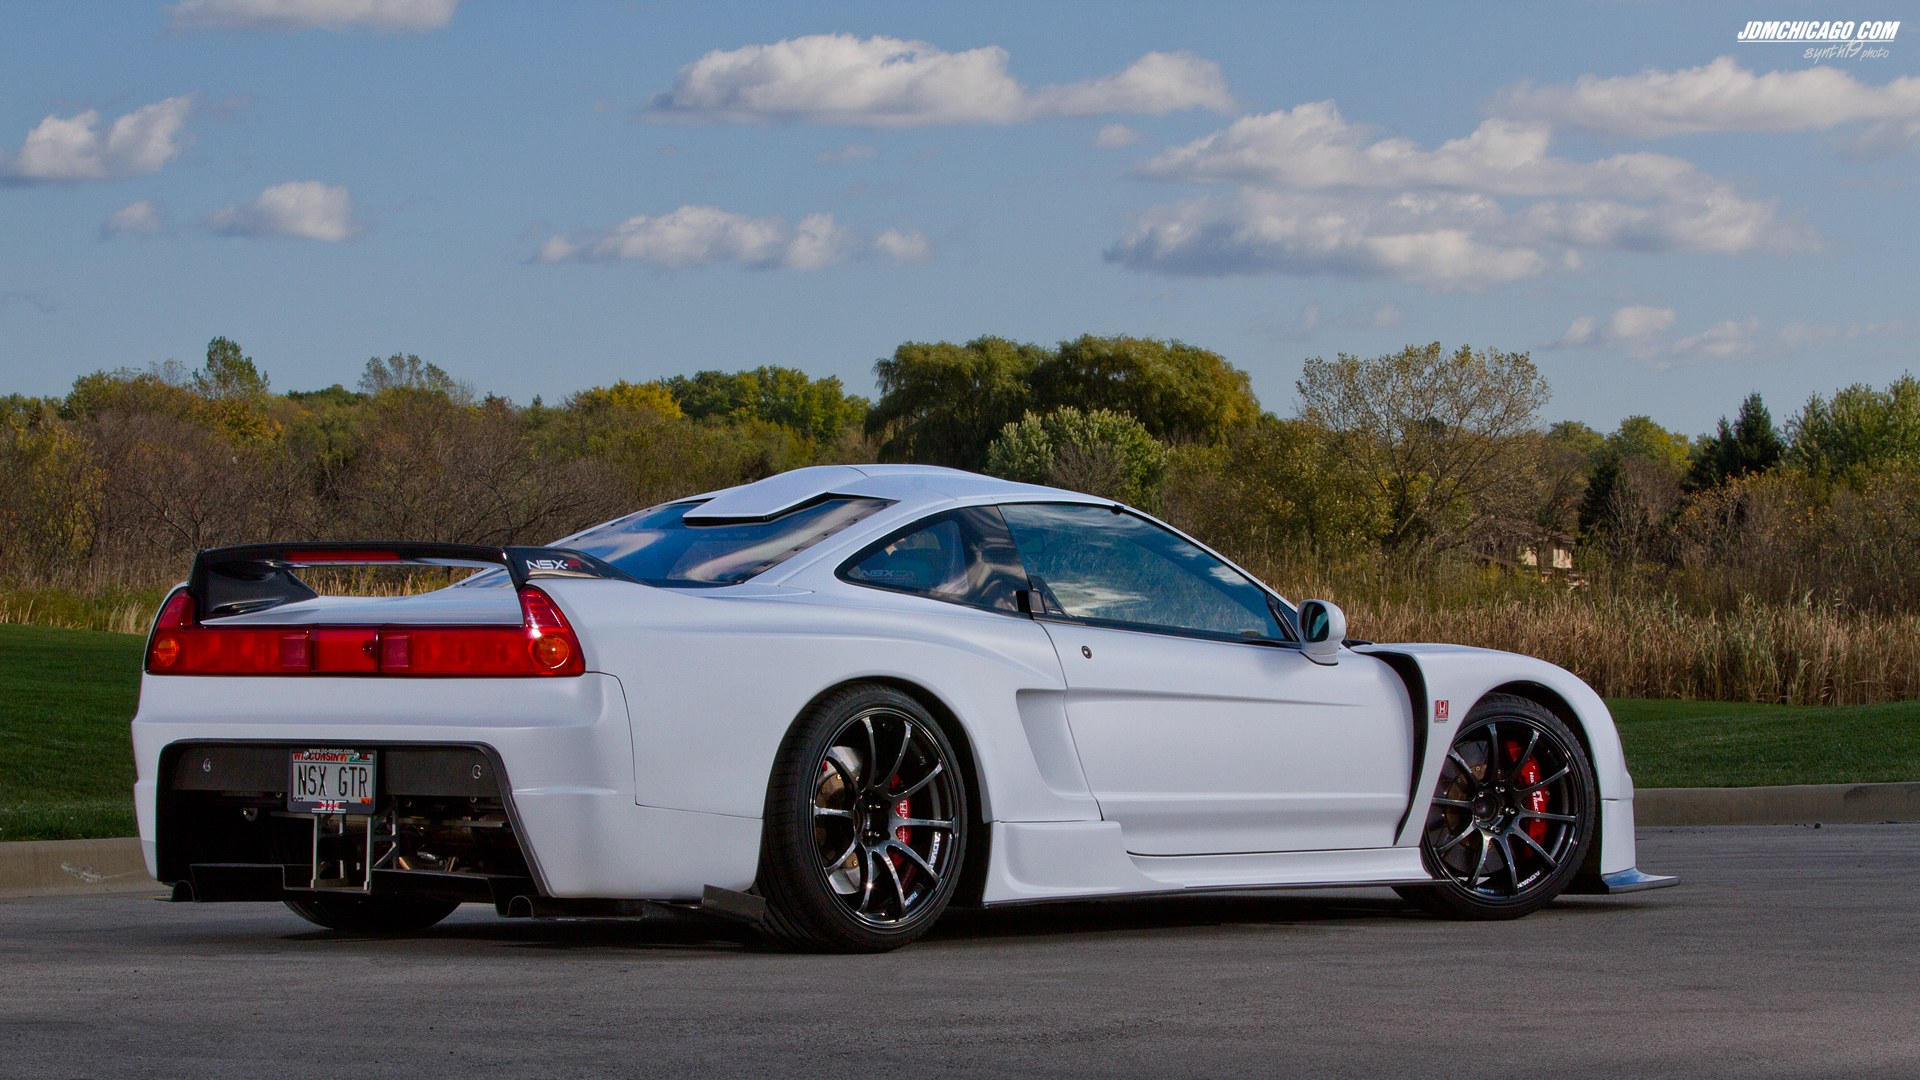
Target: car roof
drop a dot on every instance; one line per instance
(775, 495)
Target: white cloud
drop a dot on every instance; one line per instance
(1156, 84)
(1645, 333)
(1117, 135)
(904, 246)
(1720, 96)
(850, 152)
(1314, 148)
(1384, 317)
(144, 218)
(888, 83)
(292, 16)
(139, 143)
(1318, 195)
(1430, 238)
(695, 236)
(1640, 329)
(1724, 340)
(1639, 322)
(301, 210)
(1582, 331)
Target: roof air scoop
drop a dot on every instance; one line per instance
(764, 500)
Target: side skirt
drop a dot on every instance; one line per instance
(1034, 861)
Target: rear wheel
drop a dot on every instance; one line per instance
(1512, 816)
(866, 825)
(372, 914)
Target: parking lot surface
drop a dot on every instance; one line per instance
(1787, 952)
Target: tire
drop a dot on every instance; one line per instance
(842, 868)
(1513, 814)
(372, 914)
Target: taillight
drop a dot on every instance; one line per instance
(542, 645)
(550, 641)
(164, 648)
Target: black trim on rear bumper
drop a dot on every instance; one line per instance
(221, 833)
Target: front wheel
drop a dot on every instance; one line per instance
(866, 825)
(1512, 816)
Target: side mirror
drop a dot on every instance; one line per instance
(1322, 627)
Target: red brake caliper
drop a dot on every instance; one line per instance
(900, 833)
(1529, 775)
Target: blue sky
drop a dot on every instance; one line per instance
(541, 198)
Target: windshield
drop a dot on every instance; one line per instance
(659, 548)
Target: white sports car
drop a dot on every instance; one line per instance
(834, 702)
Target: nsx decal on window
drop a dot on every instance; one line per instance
(553, 564)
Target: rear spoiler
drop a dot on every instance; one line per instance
(254, 577)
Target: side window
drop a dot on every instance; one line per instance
(966, 556)
(1088, 562)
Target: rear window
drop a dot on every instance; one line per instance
(658, 547)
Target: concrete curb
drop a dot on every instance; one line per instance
(74, 868)
(100, 867)
(1799, 804)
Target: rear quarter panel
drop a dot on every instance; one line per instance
(715, 679)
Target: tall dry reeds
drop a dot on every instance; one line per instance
(1643, 648)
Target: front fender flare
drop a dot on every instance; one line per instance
(1446, 681)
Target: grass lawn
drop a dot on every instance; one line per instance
(1725, 744)
(67, 768)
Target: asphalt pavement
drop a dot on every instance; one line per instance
(1787, 952)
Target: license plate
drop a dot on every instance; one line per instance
(331, 782)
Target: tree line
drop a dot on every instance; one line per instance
(1420, 458)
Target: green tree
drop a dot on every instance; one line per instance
(944, 404)
(1272, 486)
(1749, 445)
(1099, 452)
(1860, 431)
(409, 372)
(1576, 437)
(818, 409)
(1436, 435)
(1638, 436)
(1634, 485)
(625, 395)
(1567, 454)
(1177, 391)
(227, 374)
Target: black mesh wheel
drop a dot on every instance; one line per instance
(866, 825)
(1513, 814)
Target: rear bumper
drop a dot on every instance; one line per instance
(565, 760)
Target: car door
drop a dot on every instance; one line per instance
(1200, 725)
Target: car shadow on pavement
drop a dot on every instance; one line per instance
(1149, 915)
(1154, 916)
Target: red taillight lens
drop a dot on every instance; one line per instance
(338, 649)
(164, 648)
(396, 652)
(165, 652)
(551, 645)
(551, 651)
(542, 645)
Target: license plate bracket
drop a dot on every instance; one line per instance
(332, 781)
